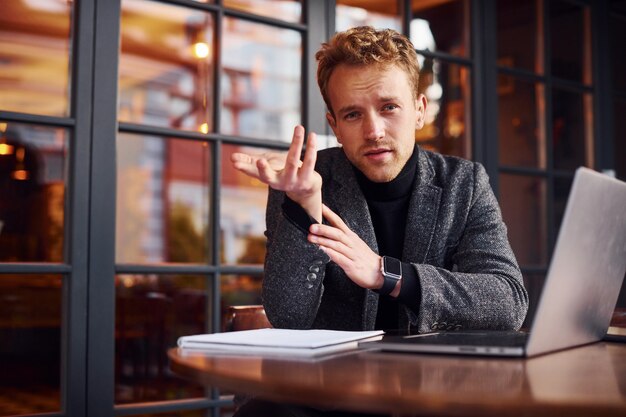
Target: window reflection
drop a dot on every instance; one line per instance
(570, 35)
(163, 200)
(32, 190)
(239, 290)
(446, 86)
(572, 129)
(380, 14)
(35, 49)
(442, 27)
(524, 208)
(261, 80)
(242, 221)
(30, 347)
(290, 10)
(518, 25)
(166, 66)
(521, 123)
(152, 312)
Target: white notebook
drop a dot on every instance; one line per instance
(312, 342)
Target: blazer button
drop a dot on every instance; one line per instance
(434, 325)
(311, 277)
(442, 325)
(314, 268)
(308, 285)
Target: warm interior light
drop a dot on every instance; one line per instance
(5, 149)
(204, 128)
(20, 175)
(201, 50)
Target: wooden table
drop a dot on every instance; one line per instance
(585, 381)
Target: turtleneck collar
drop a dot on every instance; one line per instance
(396, 188)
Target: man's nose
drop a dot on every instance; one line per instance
(374, 128)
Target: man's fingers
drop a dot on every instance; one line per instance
(334, 219)
(293, 156)
(266, 173)
(310, 156)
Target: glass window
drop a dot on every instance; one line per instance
(447, 123)
(33, 170)
(521, 127)
(35, 50)
(261, 80)
(240, 290)
(570, 36)
(163, 200)
(30, 351)
(561, 189)
(290, 10)
(519, 42)
(243, 201)
(442, 27)
(618, 58)
(166, 66)
(524, 207)
(379, 14)
(152, 312)
(572, 129)
(619, 135)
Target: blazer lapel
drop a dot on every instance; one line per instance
(422, 215)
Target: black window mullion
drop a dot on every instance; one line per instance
(101, 248)
(548, 99)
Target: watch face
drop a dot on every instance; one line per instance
(392, 266)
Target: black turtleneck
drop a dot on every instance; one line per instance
(388, 204)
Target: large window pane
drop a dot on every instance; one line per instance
(572, 124)
(521, 126)
(524, 207)
(239, 290)
(447, 123)
(379, 14)
(35, 50)
(290, 10)
(518, 25)
(33, 165)
(618, 57)
(163, 200)
(166, 66)
(242, 223)
(441, 26)
(30, 344)
(570, 36)
(261, 80)
(152, 312)
(561, 191)
(619, 137)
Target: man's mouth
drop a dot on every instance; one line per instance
(379, 151)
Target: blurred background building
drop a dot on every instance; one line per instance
(123, 225)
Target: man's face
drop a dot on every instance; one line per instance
(376, 116)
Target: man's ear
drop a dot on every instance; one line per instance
(333, 125)
(420, 111)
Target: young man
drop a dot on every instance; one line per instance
(378, 233)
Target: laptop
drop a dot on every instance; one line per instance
(580, 291)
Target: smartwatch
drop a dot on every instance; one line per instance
(392, 273)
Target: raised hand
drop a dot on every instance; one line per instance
(298, 179)
(344, 247)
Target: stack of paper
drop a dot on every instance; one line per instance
(279, 341)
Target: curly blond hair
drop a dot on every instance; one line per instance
(365, 45)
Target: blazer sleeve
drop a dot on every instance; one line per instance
(294, 270)
(484, 289)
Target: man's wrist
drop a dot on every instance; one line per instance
(391, 271)
(311, 204)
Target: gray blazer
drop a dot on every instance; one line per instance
(455, 239)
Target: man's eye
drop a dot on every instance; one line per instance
(351, 116)
(389, 107)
